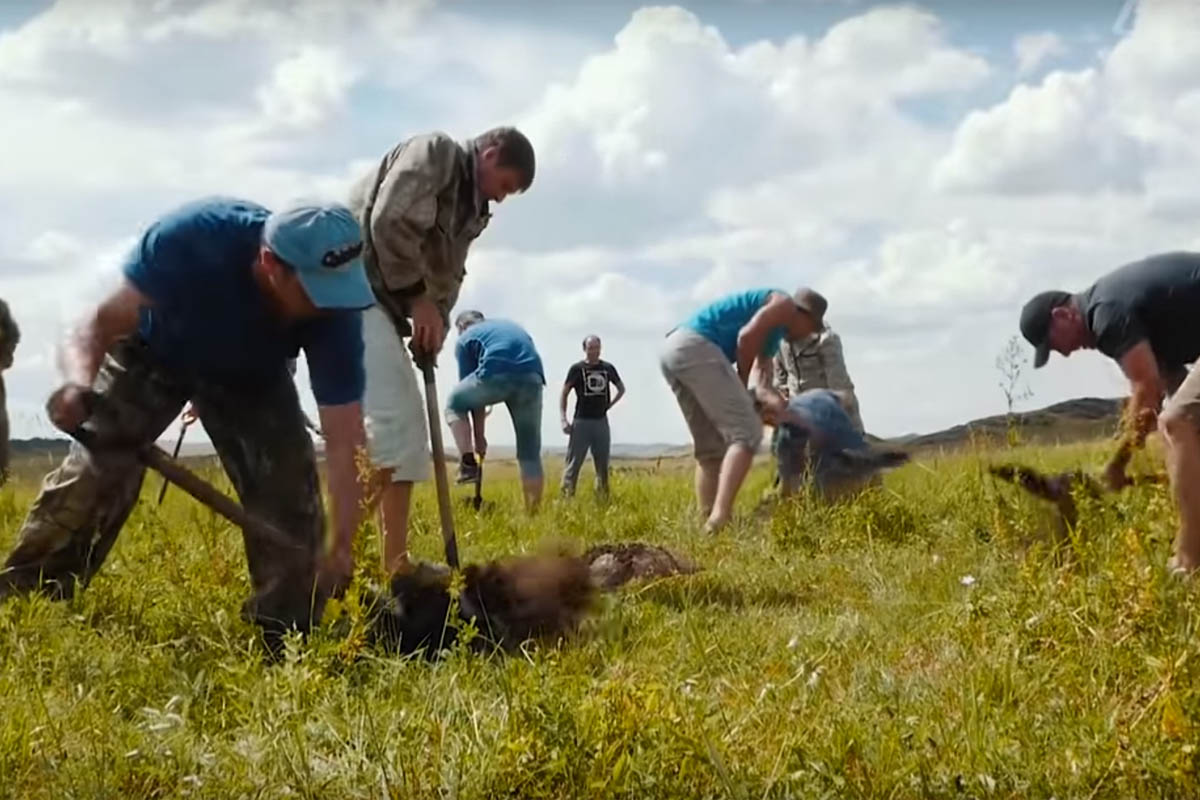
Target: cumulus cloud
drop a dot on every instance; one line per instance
(1060, 136)
(1035, 49)
(676, 163)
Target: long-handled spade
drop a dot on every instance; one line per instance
(508, 601)
(183, 426)
(155, 458)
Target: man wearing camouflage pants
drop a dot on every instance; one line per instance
(591, 380)
(216, 296)
(10, 335)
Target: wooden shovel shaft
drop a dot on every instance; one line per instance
(178, 444)
(449, 541)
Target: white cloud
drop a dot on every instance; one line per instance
(1035, 49)
(1061, 136)
(307, 87)
(675, 163)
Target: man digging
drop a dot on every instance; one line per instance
(1143, 315)
(216, 297)
(420, 210)
(708, 359)
(497, 363)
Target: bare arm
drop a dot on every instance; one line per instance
(562, 402)
(620, 393)
(1145, 383)
(775, 312)
(343, 430)
(82, 352)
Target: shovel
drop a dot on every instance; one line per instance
(425, 362)
(156, 458)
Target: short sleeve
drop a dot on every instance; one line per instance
(333, 347)
(152, 265)
(1116, 329)
(614, 376)
(574, 377)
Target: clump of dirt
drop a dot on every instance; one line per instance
(613, 565)
(510, 601)
(1061, 488)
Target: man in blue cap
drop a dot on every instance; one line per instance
(216, 297)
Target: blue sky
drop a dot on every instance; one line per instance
(928, 166)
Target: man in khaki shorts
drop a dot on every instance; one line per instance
(1144, 316)
(707, 361)
(420, 209)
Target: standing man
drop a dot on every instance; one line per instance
(707, 360)
(1143, 316)
(420, 209)
(591, 380)
(817, 362)
(215, 298)
(497, 363)
(10, 335)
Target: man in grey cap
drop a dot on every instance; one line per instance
(1142, 315)
(708, 359)
(215, 298)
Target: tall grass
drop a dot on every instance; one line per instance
(932, 639)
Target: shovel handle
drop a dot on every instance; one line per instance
(208, 495)
(449, 541)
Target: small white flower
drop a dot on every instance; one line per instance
(967, 580)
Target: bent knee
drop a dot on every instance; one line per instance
(1177, 424)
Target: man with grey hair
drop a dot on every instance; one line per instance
(816, 362)
(591, 380)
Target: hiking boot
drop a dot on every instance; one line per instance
(468, 472)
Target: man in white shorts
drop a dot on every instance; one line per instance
(420, 209)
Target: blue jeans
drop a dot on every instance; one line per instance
(522, 394)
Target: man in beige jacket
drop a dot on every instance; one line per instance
(420, 209)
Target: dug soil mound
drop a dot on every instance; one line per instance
(613, 565)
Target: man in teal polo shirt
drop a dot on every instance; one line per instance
(707, 360)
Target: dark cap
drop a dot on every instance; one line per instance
(813, 303)
(1035, 322)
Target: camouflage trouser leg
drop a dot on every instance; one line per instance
(82, 505)
(269, 458)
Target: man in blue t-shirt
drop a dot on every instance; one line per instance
(497, 363)
(217, 296)
(707, 360)
(817, 439)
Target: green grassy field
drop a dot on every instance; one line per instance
(929, 640)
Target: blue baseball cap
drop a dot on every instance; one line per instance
(323, 243)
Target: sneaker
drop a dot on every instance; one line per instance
(467, 472)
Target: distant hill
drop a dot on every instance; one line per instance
(1068, 421)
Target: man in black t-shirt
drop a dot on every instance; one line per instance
(1146, 316)
(591, 380)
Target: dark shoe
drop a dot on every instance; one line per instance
(467, 473)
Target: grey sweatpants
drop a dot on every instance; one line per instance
(587, 434)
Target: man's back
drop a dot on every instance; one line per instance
(1155, 299)
(497, 347)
